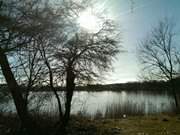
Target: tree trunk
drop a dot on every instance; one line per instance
(175, 95)
(56, 94)
(70, 86)
(16, 94)
(51, 81)
(26, 94)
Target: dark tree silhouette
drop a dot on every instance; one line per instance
(41, 36)
(84, 56)
(9, 40)
(159, 54)
(21, 23)
(28, 69)
(46, 54)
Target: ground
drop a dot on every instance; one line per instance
(134, 125)
(137, 125)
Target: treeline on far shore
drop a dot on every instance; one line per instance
(133, 86)
(129, 86)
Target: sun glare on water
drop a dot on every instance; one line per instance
(88, 21)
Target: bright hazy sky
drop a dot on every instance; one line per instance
(134, 26)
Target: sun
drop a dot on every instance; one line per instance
(88, 21)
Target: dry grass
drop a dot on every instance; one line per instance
(133, 125)
(151, 125)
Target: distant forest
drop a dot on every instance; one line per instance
(154, 85)
(133, 86)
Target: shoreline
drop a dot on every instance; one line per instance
(131, 125)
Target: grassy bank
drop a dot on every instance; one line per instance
(151, 125)
(136, 125)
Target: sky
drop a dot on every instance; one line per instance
(135, 23)
(136, 19)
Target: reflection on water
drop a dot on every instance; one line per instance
(107, 103)
(118, 103)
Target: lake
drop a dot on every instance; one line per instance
(106, 103)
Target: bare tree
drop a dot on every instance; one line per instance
(21, 23)
(84, 56)
(159, 54)
(46, 53)
(81, 56)
(28, 68)
(9, 41)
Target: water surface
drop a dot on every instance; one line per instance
(106, 104)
